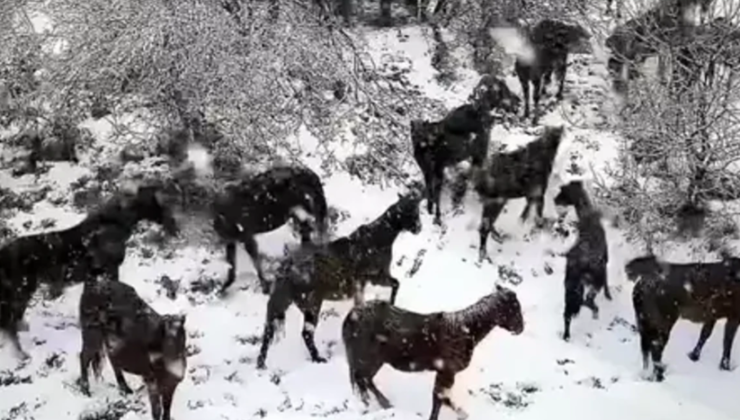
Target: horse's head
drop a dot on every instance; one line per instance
(579, 40)
(570, 194)
(509, 315)
(554, 135)
(492, 92)
(647, 265)
(407, 210)
(149, 204)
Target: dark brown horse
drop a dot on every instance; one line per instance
(463, 134)
(699, 292)
(379, 333)
(263, 202)
(338, 270)
(117, 322)
(523, 173)
(586, 261)
(96, 246)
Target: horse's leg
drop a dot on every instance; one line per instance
(429, 187)
(443, 384)
(123, 386)
(385, 13)
(155, 397)
(604, 281)
(459, 188)
(561, 67)
(536, 96)
(438, 179)
(311, 308)
(359, 291)
(92, 345)
(706, 332)
(646, 340)
(658, 344)
(250, 245)
(730, 331)
(16, 311)
(277, 305)
(231, 261)
(382, 399)
(590, 302)
(395, 285)
(491, 211)
(525, 92)
(539, 203)
(573, 289)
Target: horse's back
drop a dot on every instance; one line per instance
(31, 254)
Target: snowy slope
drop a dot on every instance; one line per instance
(532, 376)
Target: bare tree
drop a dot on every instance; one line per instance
(681, 135)
(257, 75)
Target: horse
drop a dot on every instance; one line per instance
(697, 292)
(377, 333)
(463, 134)
(262, 202)
(587, 259)
(337, 270)
(521, 173)
(552, 41)
(96, 246)
(116, 321)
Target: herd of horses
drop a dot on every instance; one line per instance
(115, 321)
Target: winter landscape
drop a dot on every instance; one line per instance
(534, 375)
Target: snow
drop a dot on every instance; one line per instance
(535, 375)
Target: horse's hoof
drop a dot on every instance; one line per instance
(319, 359)
(566, 337)
(461, 414)
(84, 388)
(725, 365)
(125, 390)
(694, 357)
(261, 365)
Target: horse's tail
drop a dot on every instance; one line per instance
(350, 328)
(573, 291)
(319, 208)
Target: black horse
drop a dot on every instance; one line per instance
(263, 202)
(521, 173)
(94, 247)
(552, 42)
(379, 333)
(340, 269)
(587, 259)
(698, 292)
(463, 134)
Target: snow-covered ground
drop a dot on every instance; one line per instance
(532, 376)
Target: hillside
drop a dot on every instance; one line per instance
(532, 376)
